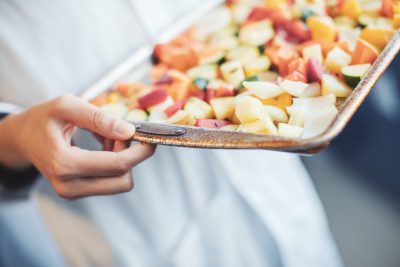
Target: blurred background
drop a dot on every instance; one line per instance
(358, 179)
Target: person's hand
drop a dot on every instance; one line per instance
(42, 136)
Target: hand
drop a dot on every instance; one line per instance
(42, 136)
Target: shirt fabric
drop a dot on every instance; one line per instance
(190, 207)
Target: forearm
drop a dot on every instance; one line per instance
(10, 157)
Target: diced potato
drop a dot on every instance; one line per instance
(157, 116)
(163, 105)
(313, 51)
(182, 117)
(136, 115)
(313, 90)
(230, 128)
(294, 88)
(244, 54)
(214, 58)
(336, 59)
(208, 72)
(240, 12)
(289, 131)
(261, 126)
(332, 85)
(224, 107)
(215, 21)
(257, 33)
(277, 114)
(224, 42)
(329, 99)
(233, 72)
(257, 66)
(249, 109)
(268, 76)
(263, 90)
(316, 123)
(118, 109)
(302, 107)
(198, 108)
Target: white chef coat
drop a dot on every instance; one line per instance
(190, 207)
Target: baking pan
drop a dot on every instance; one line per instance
(137, 67)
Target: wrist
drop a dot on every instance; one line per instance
(11, 156)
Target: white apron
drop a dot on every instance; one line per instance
(190, 207)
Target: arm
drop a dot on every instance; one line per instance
(41, 136)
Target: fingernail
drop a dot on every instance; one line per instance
(125, 129)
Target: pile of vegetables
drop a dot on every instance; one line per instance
(278, 67)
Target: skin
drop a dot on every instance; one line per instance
(42, 136)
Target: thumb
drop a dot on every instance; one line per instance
(85, 115)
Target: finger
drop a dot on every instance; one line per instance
(85, 115)
(120, 146)
(108, 145)
(103, 163)
(83, 187)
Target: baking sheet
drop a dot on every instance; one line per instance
(137, 68)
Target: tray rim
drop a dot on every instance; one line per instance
(301, 146)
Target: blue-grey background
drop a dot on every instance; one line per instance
(358, 179)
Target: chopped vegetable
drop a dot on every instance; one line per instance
(263, 90)
(289, 131)
(315, 70)
(378, 37)
(322, 28)
(136, 115)
(364, 53)
(293, 88)
(224, 107)
(353, 74)
(182, 117)
(200, 83)
(336, 59)
(209, 123)
(332, 85)
(153, 98)
(198, 109)
(249, 109)
(233, 72)
(275, 68)
(171, 110)
(257, 33)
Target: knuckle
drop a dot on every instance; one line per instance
(64, 192)
(119, 169)
(128, 184)
(58, 170)
(99, 118)
(63, 102)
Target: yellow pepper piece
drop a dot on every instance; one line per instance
(275, 3)
(351, 9)
(270, 102)
(284, 100)
(396, 21)
(113, 97)
(376, 36)
(322, 28)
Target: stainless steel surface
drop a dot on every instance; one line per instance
(137, 67)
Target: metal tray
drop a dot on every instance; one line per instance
(137, 67)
